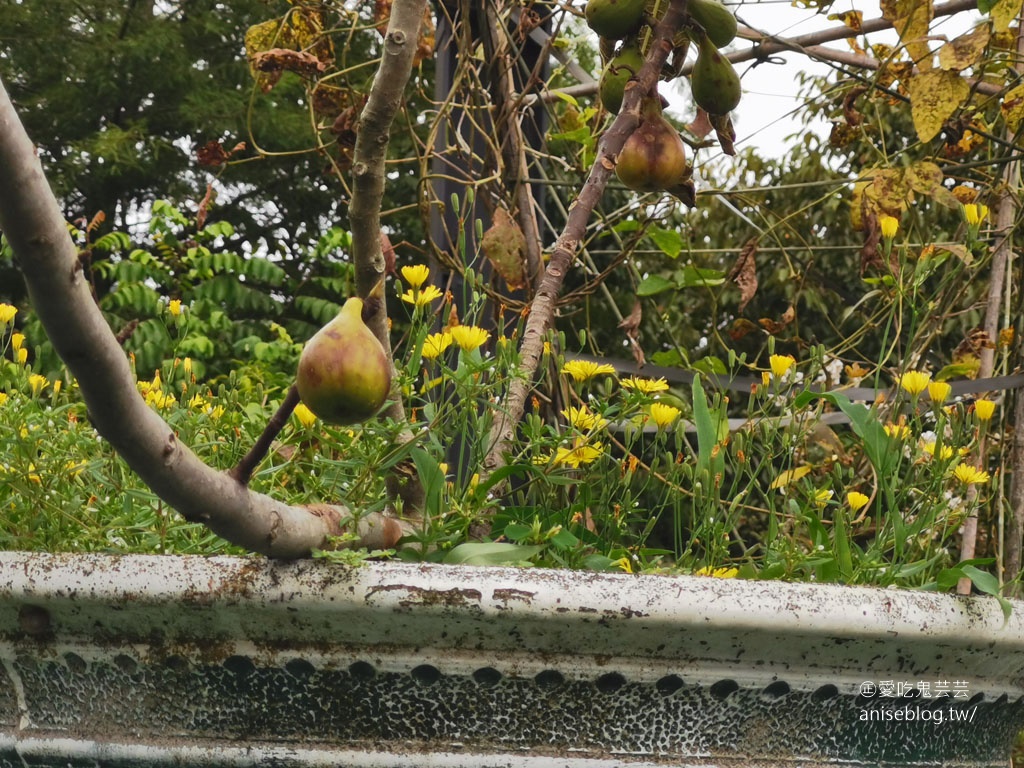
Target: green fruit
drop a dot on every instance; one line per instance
(714, 82)
(653, 157)
(615, 19)
(717, 20)
(616, 74)
(344, 376)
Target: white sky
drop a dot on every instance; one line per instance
(770, 90)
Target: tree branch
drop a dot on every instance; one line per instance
(542, 310)
(243, 470)
(368, 177)
(31, 219)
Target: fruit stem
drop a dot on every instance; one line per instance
(242, 472)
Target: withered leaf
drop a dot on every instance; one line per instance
(204, 206)
(742, 327)
(504, 245)
(631, 325)
(777, 326)
(278, 60)
(387, 250)
(744, 272)
(211, 154)
(701, 125)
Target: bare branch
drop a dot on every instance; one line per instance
(542, 310)
(243, 469)
(31, 219)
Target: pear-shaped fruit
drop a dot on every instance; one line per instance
(344, 376)
(653, 157)
(714, 82)
(616, 74)
(615, 19)
(718, 22)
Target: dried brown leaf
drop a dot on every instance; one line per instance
(744, 272)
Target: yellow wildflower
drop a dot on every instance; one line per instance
(584, 370)
(17, 340)
(584, 419)
(469, 337)
(647, 386)
(718, 573)
(969, 475)
(3, 398)
(416, 275)
(75, 467)
(422, 298)
(823, 497)
(38, 383)
(305, 416)
(897, 431)
(889, 225)
(579, 454)
(159, 399)
(984, 409)
(974, 213)
(435, 344)
(186, 364)
(198, 402)
(939, 391)
(21, 355)
(217, 412)
(945, 452)
(856, 500)
(56, 386)
(174, 307)
(915, 382)
(7, 313)
(624, 564)
(780, 364)
(664, 415)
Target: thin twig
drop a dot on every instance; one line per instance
(542, 309)
(242, 472)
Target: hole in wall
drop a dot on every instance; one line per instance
(300, 668)
(668, 684)
(824, 693)
(239, 665)
(487, 676)
(723, 688)
(362, 671)
(610, 683)
(426, 674)
(549, 679)
(776, 690)
(126, 663)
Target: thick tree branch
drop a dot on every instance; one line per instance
(368, 178)
(542, 310)
(33, 224)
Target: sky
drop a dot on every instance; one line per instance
(764, 117)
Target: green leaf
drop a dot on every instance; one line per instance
(699, 277)
(653, 285)
(517, 531)
(668, 241)
(564, 540)
(490, 553)
(432, 479)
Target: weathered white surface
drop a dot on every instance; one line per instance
(250, 630)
